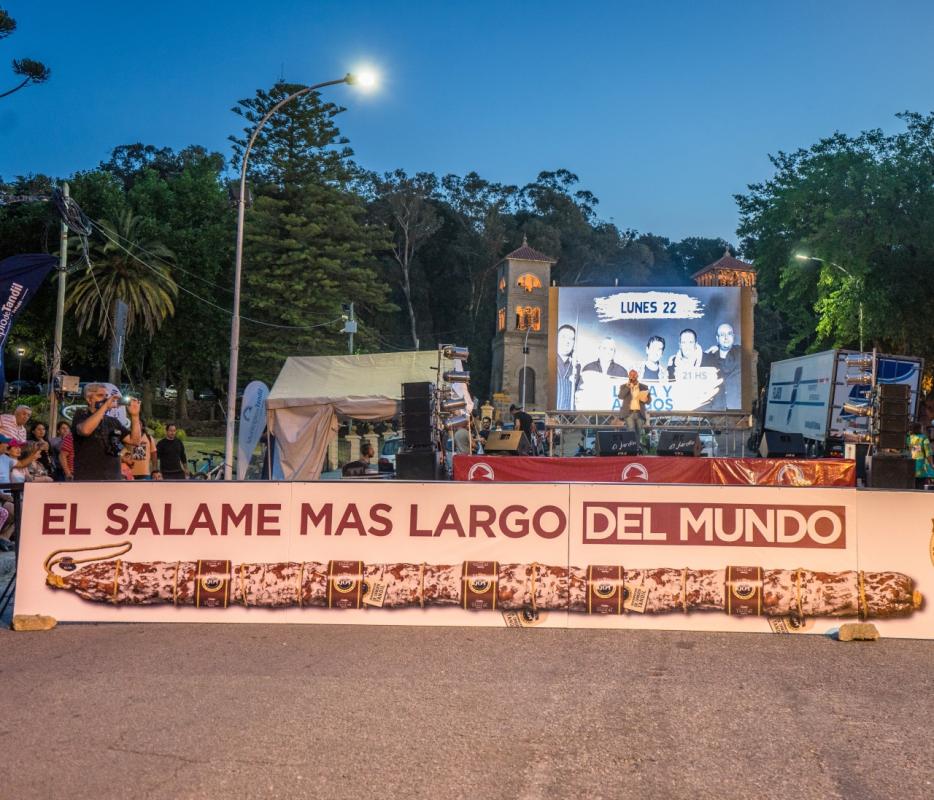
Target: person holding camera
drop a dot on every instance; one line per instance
(99, 437)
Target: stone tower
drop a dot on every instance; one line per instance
(522, 280)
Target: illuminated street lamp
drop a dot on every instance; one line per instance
(366, 79)
(851, 276)
(20, 351)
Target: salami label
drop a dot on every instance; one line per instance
(374, 593)
(637, 599)
(744, 591)
(605, 589)
(479, 579)
(345, 584)
(212, 584)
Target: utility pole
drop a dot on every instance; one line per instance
(59, 320)
(350, 325)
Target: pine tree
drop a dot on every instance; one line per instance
(307, 248)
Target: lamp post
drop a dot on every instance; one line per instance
(20, 351)
(364, 80)
(525, 360)
(852, 277)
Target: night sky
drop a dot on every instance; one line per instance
(664, 109)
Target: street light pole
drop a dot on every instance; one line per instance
(238, 266)
(852, 277)
(525, 360)
(20, 351)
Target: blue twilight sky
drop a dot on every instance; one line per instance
(664, 109)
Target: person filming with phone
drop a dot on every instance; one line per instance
(99, 437)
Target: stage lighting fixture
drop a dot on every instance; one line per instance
(450, 406)
(456, 376)
(859, 380)
(857, 438)
(459, 421)
(453, 352)
(857, 409)
(861, 360)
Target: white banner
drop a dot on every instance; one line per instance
(583, 555)
(252, 423)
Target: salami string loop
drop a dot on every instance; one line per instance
(68, 563)
(863, 605)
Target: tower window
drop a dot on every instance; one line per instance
(502, 284)
(528, 281)
(501, 319)
(528, 317)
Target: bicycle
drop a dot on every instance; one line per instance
(208, 471)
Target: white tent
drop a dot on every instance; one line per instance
(312, 392)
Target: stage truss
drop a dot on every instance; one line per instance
(723, 433)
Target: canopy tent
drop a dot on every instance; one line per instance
(311, 392)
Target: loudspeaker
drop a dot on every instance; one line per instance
(417, 398)
(892, 408)
(782, 445)
(417, 430)
(857, 453)
(894, 391)
(417, 465)
(618, 443)
(890, 472)
(678, 443)
(420, 389)
(892, 440)
(893, 424)
(507, 442)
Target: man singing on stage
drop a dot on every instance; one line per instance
(633, 397)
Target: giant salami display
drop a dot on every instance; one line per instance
(484, 586)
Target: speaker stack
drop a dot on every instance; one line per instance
(886, 436)
(417, 412)
(429, 409)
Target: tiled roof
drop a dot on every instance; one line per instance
(726, 261)
(526, 253)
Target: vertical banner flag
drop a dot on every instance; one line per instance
(20, 278)
(252, 423)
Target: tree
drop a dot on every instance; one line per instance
(129, 267)
(29, 70)
(404, 204)
(864, 203)
(308, 248)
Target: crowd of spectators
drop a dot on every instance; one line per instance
(95, 445)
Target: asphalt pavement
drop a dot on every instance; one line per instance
(276, 711)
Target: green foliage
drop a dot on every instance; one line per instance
(307, 247)
(862, 205)
(30, 70)
(127, 266)
(158, 430)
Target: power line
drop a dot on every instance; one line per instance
(215, 305)
(165, 263)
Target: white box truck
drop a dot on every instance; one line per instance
(806, 394)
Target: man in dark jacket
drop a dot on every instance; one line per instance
(633, 398)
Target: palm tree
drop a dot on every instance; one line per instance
(129, 267)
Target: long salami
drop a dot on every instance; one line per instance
(486, 585)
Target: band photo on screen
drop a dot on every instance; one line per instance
(683, 341)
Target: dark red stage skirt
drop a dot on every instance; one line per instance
(658, 469)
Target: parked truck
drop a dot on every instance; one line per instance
(806, 395)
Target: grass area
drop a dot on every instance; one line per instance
(194, 444)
